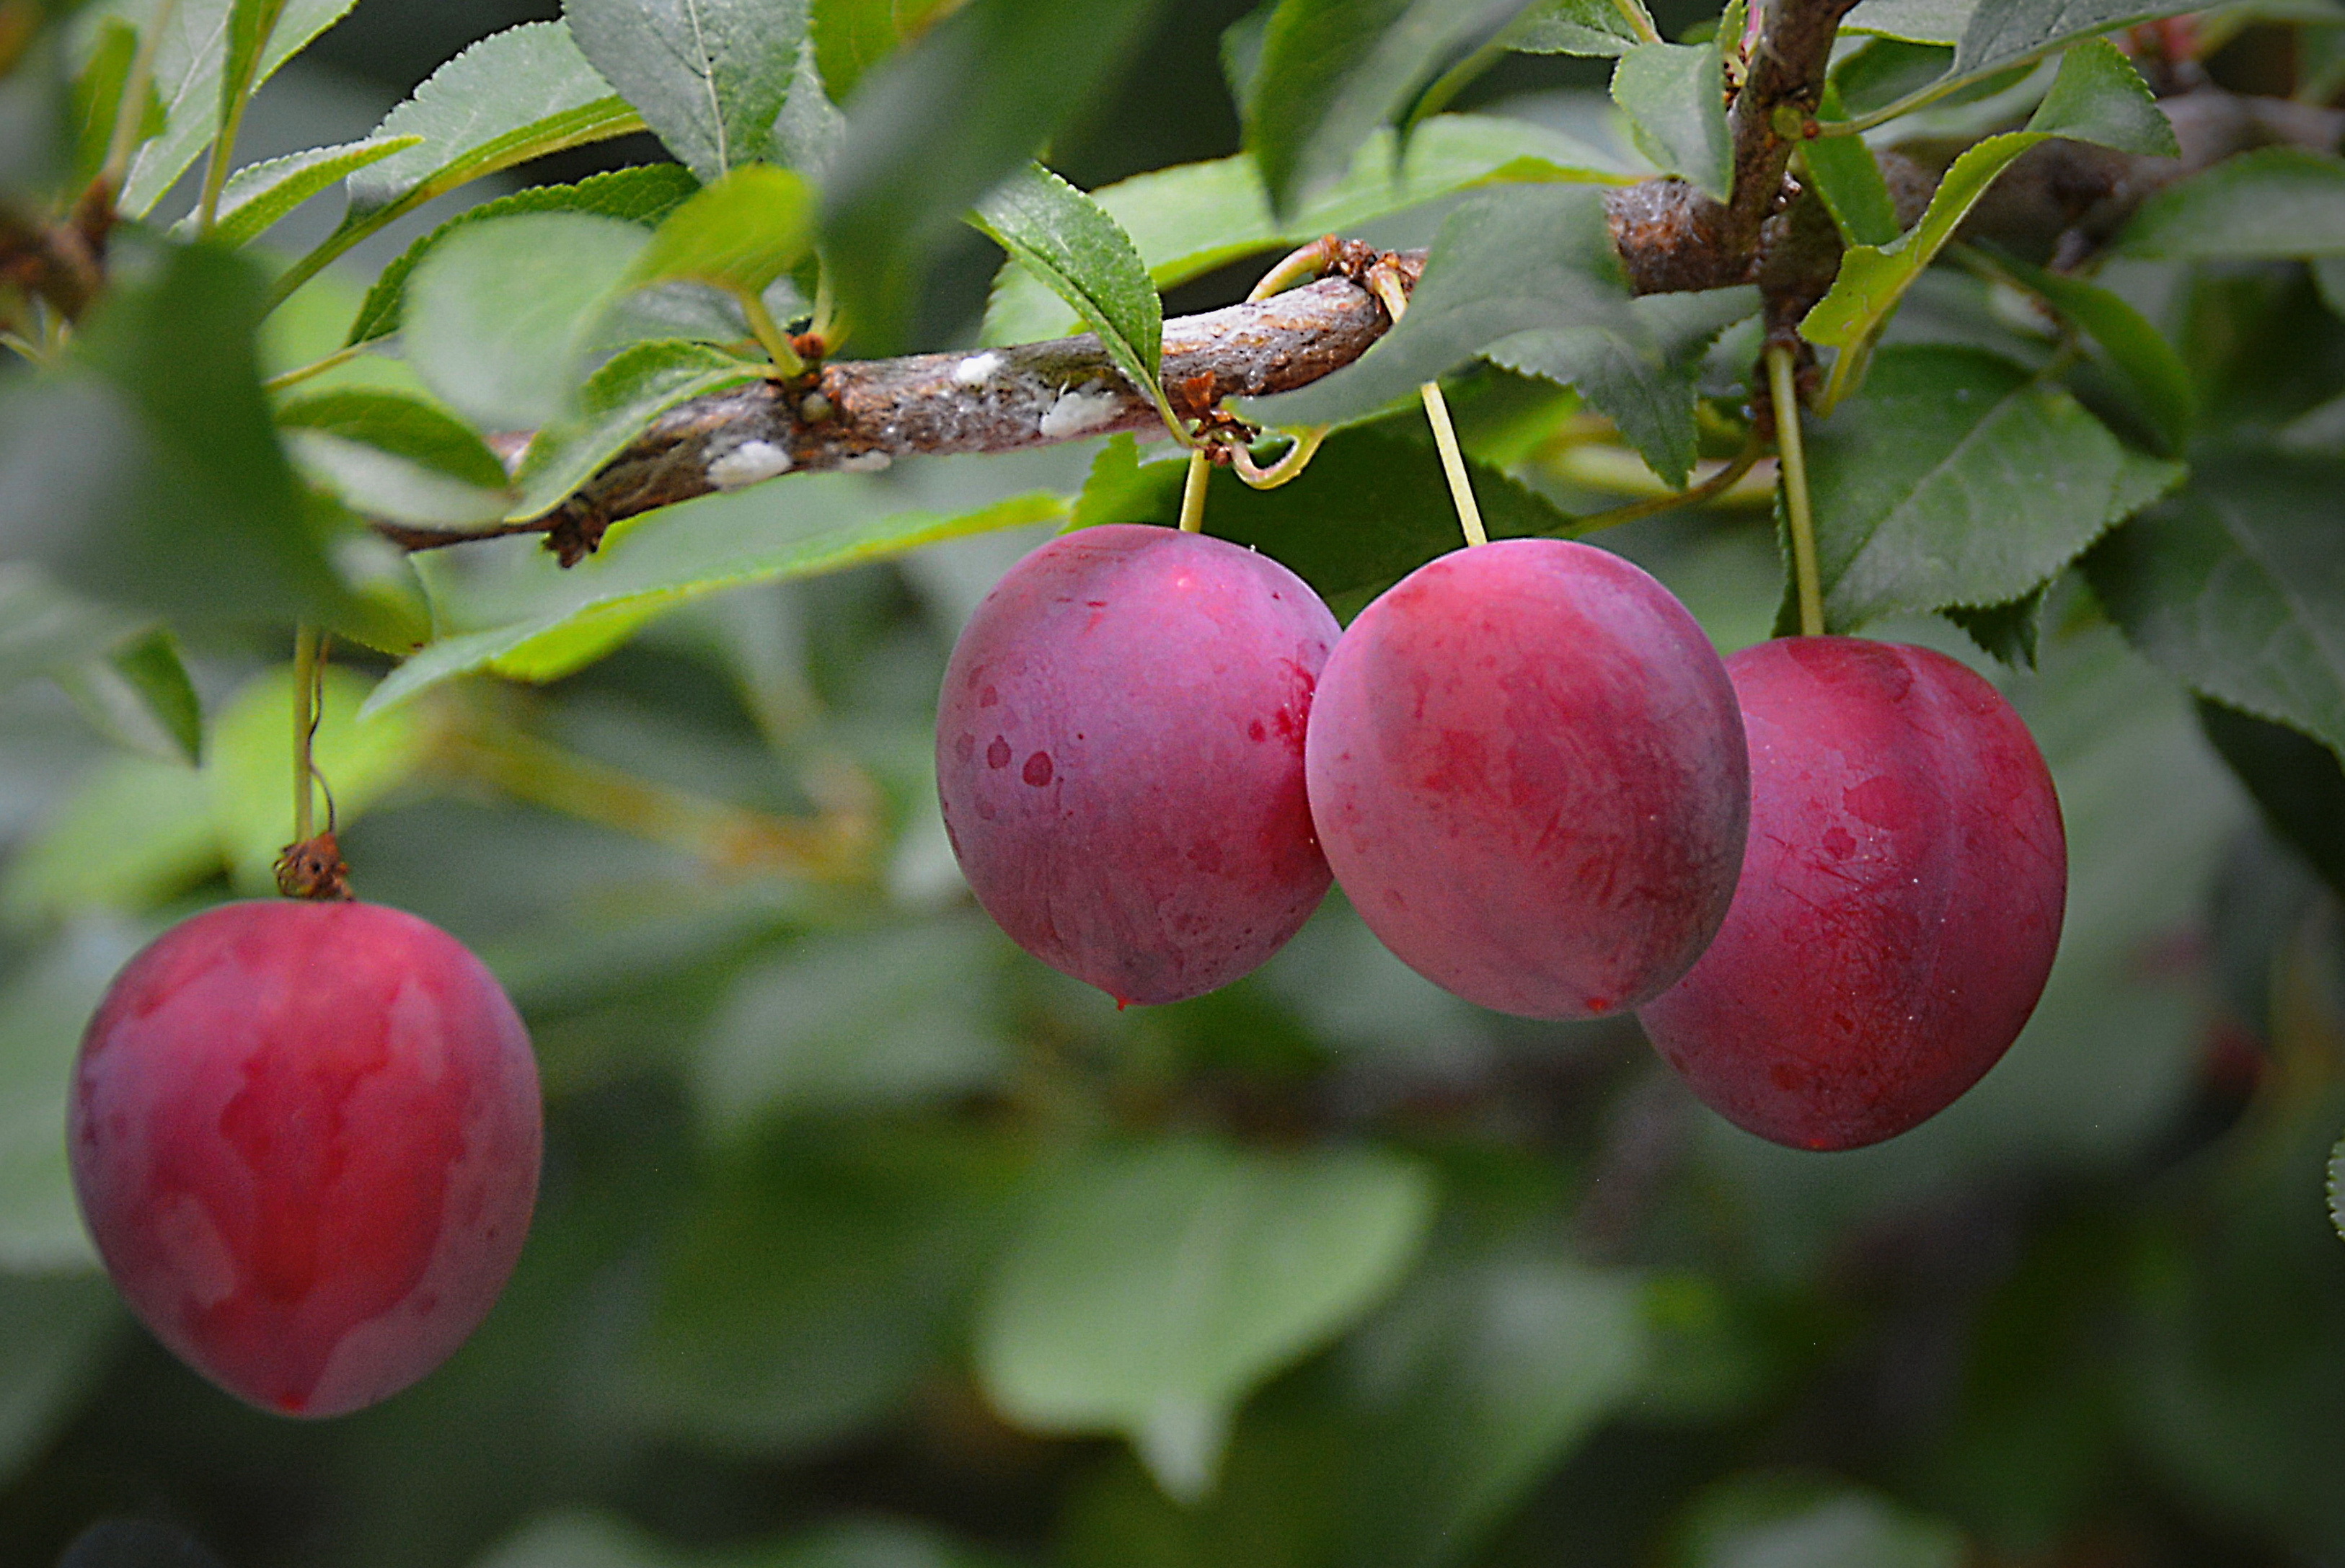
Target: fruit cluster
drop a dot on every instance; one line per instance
(1828, 873)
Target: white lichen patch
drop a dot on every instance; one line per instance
(864, 463)
(1077, 411)
(747, 464)
(977, 369)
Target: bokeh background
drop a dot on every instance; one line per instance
(814, 1137)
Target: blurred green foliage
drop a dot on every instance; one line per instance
(868, 1242)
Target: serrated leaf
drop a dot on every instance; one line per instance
(1383, 480)
(944, 122)
(851, 36)
(2237, 586)
(1190, 220)
(617, 404)
(514, 95)
(1643, 381)
(260, 194)
(1066, 240)
(1154, 1287)
(2276, 203)
(642, 195)
(2098, 97)
(189, 60)
(809, 128)
(2149, 364)
(2009, 631)
(394, 457)
(250, 24)
(708, 75)
(501, 316)
(1959, 479)
(1529, 261)
(820, 523)
(1598, 27)
(1334, 72)
(1675, 95)
(2001, 36)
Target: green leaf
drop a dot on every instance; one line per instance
(2238, 587)
(2001, 36)
(642, 195)
(2098, 96)
(500, 316)
(260, 194)
(189, 62)
(42, 1010)
(852, 1023)
(1190, 220)
(514, 95)
(944, 122)
(1675, 97)
(97, 98)
(1815, 1522)
(250, 24)
(708, 75)
(1642, 379)
(851, 36)
(2159, 378)
(1384, 481)
(618, 403)
(2296, 783)
(1336, 72)
(1915, 21)
(1848, 177)
(397, 457)
(139, 696)
(151, 475)
(1154, 1287)
(2009, 632)
(1959, 479)
(543, 624)
(1473, 1385)
(2276, 203)
(816, 1279)
(738, 234)
(1066, 240)
(1527, 260)
(807, 132)
(1581, 27)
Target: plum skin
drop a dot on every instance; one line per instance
(305, 1138)
(1120, 757)
(1900, 904)
(1529, 774)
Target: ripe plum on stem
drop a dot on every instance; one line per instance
(1120, 757)
(1900, 902)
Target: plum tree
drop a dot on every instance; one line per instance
(1900, 902)
(1120, 757)
(1528, 774)
(305, 1137)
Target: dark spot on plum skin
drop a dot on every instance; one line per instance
(1038, 770)
(1254, 731)
(997, 755)
(988, 698)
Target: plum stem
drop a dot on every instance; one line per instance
(1805, 579)
(1192, 492)
(305, 728)
(1385, 285)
